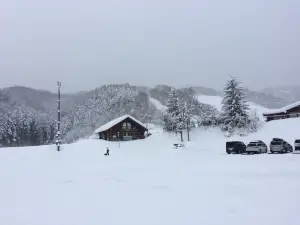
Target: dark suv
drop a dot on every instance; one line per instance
(237, 147)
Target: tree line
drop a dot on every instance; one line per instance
(233, 117)
(20, 126)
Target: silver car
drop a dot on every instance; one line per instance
(280, 146)
(256, 147)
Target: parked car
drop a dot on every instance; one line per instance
(237, 147)
(280, 146)
(297, 145)
(257, 147)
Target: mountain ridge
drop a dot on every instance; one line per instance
(40, 99)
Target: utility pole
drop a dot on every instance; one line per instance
(58, 116)
(148, 108)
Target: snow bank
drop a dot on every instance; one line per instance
(287, 129)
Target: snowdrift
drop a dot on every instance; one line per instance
(287, 129)
(148, 182)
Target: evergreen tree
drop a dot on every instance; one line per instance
(234, 106)
(182, 117)
(171, 118)
(254, 122)
(21, 126)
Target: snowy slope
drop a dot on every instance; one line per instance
(147, 182)
(158, 105)
(287, 129)
(216, 102)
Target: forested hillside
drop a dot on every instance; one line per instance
(28, 116)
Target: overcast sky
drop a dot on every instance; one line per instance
(88, 43)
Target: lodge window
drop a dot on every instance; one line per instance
(126, 126)
(293, 115)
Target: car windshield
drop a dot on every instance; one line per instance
(276, 143)
(231, 144)
(252, 144)
(297, 141)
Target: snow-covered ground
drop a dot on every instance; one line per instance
(148, 182)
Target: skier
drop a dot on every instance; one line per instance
(107, 151)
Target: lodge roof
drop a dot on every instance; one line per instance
(282, 110)
(114, 122)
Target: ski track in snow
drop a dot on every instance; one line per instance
(148, 182)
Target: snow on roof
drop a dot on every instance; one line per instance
(115, 122)
(282, 110)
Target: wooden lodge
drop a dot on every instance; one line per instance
(124, 128)
(290, 111)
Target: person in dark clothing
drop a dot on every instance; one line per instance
(107, 151)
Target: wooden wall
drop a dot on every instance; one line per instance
(294, 110)
(292, 113)
(136, 131)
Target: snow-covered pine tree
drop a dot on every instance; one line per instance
(171, 118)
(234, 106)
(254, 122)
(190, 107)
(187, 105)
(182, 117)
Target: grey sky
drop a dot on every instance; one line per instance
(89, 43)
